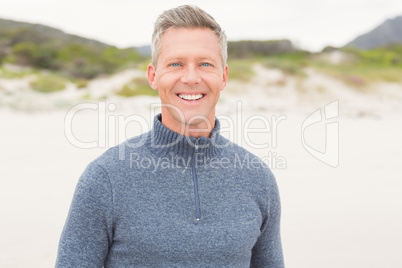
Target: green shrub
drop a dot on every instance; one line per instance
(67, 57)
(138, 86)
(241, 69)
(24, 53)
(143, 64)
(81, 83)
(291, 63)
(387, 56)
(359, 74)
(48, 83)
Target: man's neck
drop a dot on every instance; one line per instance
(197, 129)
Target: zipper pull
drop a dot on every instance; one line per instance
(196, 145)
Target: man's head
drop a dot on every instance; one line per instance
(189, 17)
(189, 69)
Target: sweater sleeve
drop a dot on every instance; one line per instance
(267, 252)
(88, 231)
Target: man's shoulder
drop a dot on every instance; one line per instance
(247, 161)
(239, 151)
(119, 154)
(251, 171)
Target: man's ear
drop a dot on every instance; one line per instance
(225, 76)
(152, 76)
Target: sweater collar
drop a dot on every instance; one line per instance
(164, 141)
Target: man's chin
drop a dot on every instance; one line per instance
(189, 119)
(195, 120)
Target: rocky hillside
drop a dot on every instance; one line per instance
(389, 32)
(42, 47)
(22, 31)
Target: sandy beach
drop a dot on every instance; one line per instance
(344, 216)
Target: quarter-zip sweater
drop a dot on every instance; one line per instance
(165, 200)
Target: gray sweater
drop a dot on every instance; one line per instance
(165, 200)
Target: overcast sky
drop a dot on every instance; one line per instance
(309, 24)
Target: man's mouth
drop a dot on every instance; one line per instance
(191, 97)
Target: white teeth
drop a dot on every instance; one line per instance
(191, 97)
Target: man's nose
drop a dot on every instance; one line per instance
(191, 75)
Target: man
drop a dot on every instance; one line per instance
(177, 196)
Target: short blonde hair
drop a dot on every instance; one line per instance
(186, 16)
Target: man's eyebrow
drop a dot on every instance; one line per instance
(174, 58)
(206, 58)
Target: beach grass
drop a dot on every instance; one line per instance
(365, 66)
(138, 86)
(14, 72)
(48, 83)
(241, 69)
(81, 83)
(290, 63)
(360, 75)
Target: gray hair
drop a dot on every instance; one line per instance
(186, 16)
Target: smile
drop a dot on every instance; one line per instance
(190, 97)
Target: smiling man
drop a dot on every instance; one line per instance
(189, 72)
(177, 196)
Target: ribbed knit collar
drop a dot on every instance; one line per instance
(164, 141)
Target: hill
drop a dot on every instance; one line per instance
(40, 33)
(389, 32)
(247, 48)
(44, 47)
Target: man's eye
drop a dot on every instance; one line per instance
(206, 64)
(175, 64)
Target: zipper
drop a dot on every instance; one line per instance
(197, 200)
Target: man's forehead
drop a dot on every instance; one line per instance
(179, 57)
(178, 36)
(184, 32)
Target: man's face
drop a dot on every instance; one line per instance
(189, 76)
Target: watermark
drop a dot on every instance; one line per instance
(239, 129)
(112, 127)
(330, 155)
(237, 161)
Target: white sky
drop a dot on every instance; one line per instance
(310, 24)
